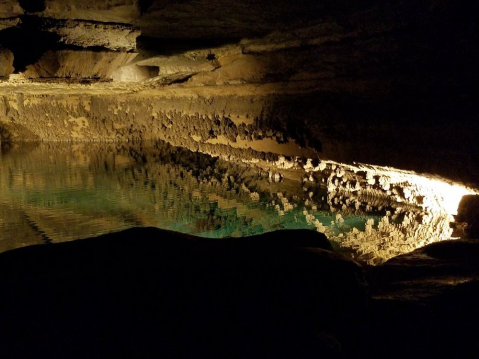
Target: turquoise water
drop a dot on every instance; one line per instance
(53, 192)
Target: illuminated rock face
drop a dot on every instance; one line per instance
(280, 84)
(10, 8)
(84, 33)
(78, 64)
(46, 47)
(416, 210)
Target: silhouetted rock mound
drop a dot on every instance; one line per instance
(424, 303)
(149, 293)
(468, 214)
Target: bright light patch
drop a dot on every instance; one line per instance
(451, 195)
(416, 209)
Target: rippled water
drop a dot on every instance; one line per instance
(53, 192)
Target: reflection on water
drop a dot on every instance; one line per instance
(57, 192)
(53, 192)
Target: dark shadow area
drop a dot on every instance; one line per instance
(144, 5)
(32, 5)
(425, 303)
(150, 46)
(147, 293)
(428, 132)
(223, 19)
(27, 43)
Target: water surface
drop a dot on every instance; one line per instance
(54, 192)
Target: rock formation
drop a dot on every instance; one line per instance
(152, 293)
(366, 108)
(418, 297)
(383, 84)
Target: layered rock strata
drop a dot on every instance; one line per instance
(344, 81)
(65, 48)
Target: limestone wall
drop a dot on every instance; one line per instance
(248, 121)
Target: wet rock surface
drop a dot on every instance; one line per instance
(265, 118)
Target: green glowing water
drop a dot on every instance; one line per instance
(55, 192)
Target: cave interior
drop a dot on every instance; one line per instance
(246, 122)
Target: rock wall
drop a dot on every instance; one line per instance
(388, 84)
(287, 119)
(46, 47)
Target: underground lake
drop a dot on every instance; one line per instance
(55, 192)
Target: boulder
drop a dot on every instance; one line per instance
(146, 292)
(424, 303)
(468, 215)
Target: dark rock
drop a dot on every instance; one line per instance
(145, 292)
(6, 62)
(32, 5)
(424, 303)
(468, 214)
(284, 238)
